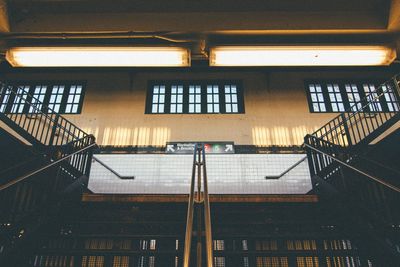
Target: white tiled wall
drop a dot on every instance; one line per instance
(227, 174)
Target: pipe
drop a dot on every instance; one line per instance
(207, 215)
(93, 35)
(189, 218)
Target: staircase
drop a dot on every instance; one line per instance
(59, 165)
(365, 191)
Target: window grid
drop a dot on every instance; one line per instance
(391, 102)
(194, 99)
(176, 99)
(231, 99)
(369, 89)
(62, 98)
(74, 97)
(39, 95)
(353, 96)
(317, 98)
(56, 98)
(219, 245)
(212, 99)
(158, 101)
(335, 98)
(219, 261)
(339, 97)
(20, 99)
(5, 100)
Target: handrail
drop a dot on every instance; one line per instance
(112, 170)
(379, 180)
(199, 164)
(342, 123)
(39, 111)
(23, 177)
(287, 170)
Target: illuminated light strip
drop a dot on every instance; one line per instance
(98, 57)
(302, 55)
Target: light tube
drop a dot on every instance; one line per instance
(98, 57)
(302, 55)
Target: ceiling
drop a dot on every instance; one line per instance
(198, 23)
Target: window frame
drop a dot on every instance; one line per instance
(203, 84)
(345, 100)
(49, 87)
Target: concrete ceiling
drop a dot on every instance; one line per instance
(221, 21)
(197, 15)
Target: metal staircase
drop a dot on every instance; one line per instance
(33, 189)
(363, 190)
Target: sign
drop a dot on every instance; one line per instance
(209, 147)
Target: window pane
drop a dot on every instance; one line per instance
(155, 98)
(235, 108)
(209, 108)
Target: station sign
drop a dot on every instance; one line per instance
(209, 147)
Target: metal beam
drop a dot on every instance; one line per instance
(4, 22)
(394, 16)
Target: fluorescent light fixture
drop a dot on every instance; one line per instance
(98, 57)
(302, 55)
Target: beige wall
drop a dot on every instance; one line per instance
(276, 107)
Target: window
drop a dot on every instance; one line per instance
(194, 97)
(42, 97)
(212, 99)
(353, 96)
(176, 99)
(317, 98)
(38, 98)
(339, 97)
(74, 98)
(335, 98)
(56, 96)
(372, 97)
(390, 97)
(19, 99)
(158, 101)
(231, 101)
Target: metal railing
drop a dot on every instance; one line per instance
(333, 142)
(42, 125)
(33, 189)
(336, 162)
(287, 170)
(324, 154)
(363, 118)
(124, 177)
(195, 201)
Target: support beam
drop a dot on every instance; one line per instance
(4, 23)
(394, 16)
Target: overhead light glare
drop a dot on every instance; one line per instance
(98, 57)
(302, 55)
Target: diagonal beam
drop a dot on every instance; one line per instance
(394, 16)
(4, 23)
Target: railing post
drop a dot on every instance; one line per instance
(397, 88)
(346, 129)
(53, 130)
(202, 199)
